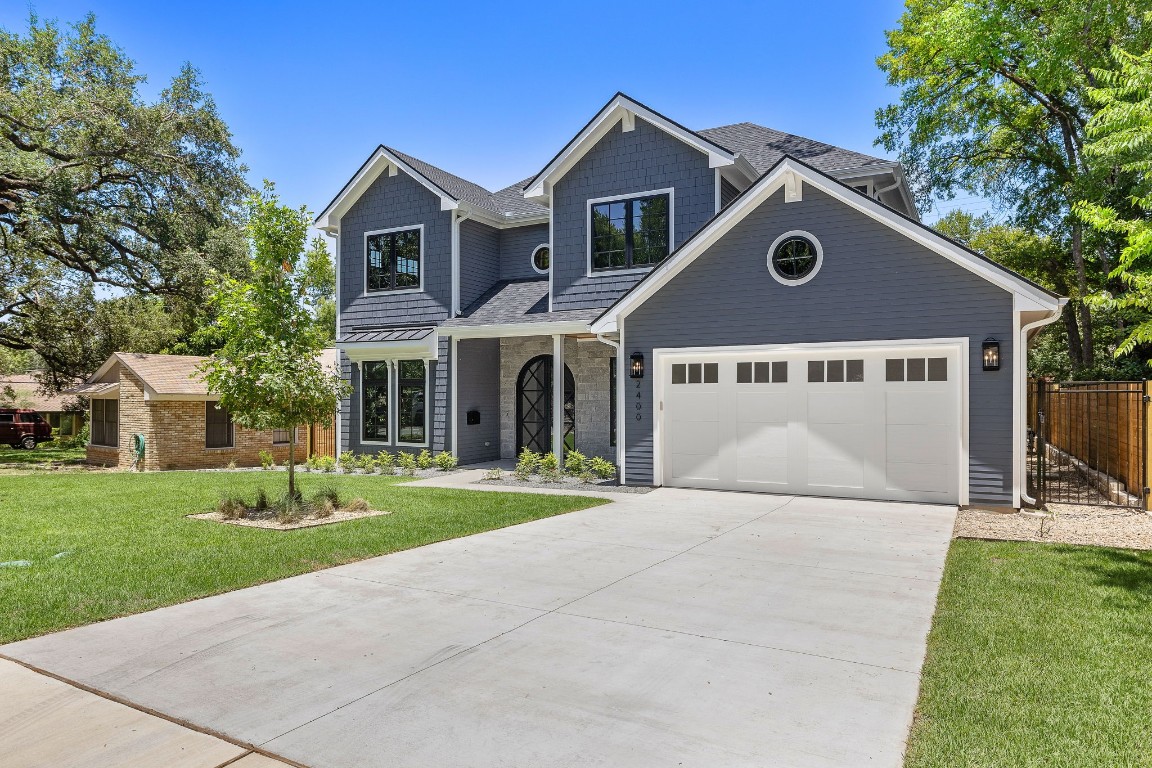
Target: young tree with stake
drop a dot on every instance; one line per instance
(268, 373)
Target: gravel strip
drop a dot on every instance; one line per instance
(567, 484)
(1071, 524)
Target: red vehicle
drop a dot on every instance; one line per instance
(23, 428)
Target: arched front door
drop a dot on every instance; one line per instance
(534, 406)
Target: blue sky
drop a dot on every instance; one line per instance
(492, 91)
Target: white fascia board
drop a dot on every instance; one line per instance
(765, 188)
(150, 394)
(417, 349)
(382, 160)
(615, 112)
(513, 329)
(502, 222)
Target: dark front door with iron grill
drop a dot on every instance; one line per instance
(534, 406)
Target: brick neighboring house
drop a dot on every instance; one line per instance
(163, 398)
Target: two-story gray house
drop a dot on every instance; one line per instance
(732, 308)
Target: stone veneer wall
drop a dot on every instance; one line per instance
(588, 361)
(174, 435)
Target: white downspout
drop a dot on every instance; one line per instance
(619, 404)
(1022, 361)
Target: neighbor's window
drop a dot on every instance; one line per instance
(105, 429)
(374, 388)
(217, 426)
(282, 436)
(412, 381)
(393, 260)
(632, 233)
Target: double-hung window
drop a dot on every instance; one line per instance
(217, 426)
(105, 428)
(397, 395)
(393, 260)
(630, 233)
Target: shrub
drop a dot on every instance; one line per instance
(575, 462)
(550, 473)
(446, 461)
(328, 493)
(289, 510)
(425, 460)
(587, 475)
(494, 474)
(385, 463)
(365, 461)
(549, 463)
(232, 464)
(322, 508)
(602, 468)
(267, 461)
(527, 465)
(357, 505)
(326, 464)
(407, 462)
(231, 507)
(312, 462)
(261, 500)
(347, 460)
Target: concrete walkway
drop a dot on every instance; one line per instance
(673, 628)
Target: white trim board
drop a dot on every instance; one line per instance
(769, 184)
(620, 110)
(512, 329)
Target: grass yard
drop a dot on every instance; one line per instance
(1040, 655)
(131, 549)
(40, 455)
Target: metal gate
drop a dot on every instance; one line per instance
(1088, 442)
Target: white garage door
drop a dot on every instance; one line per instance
(856, 422)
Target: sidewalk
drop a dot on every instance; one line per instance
(47, 722)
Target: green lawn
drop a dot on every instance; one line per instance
(40, 455)
(131, 549)
(1040, 655)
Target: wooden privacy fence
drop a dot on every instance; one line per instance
(322, 438)
(1088, 441)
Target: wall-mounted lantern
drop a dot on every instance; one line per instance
(991, 349)
(637, 371)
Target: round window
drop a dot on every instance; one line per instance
(795, 258)
(541, 259)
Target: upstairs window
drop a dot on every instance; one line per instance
(393, 260)
(630, 233)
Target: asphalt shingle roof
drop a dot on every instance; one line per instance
(517, 301)
(509, 200)
(764, 147)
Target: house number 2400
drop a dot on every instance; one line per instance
(639, 399)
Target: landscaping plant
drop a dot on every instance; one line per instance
(549, 468)
(266, 460)
(268, 373)
(407, 462)
(602, 468)
(424, 460)
(575, 462)
(527, 464)
(446, 462)
(385, 463)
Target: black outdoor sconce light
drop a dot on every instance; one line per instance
(991, 354)
(637, 371)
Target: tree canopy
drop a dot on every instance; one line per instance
(994, 99)
(268, 372)
(100, 187)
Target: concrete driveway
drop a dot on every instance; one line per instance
(680, 627)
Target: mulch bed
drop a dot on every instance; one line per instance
(1102, 526)
(267, 519)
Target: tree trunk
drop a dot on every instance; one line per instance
(1087, 353)
(292, 464)
(1075, 350)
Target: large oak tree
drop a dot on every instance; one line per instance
(102, 189)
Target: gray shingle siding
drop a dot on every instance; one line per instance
(516, 247)
(874, 284)
(641, 160)
(479, 260)
(395, 201)
(478, 390)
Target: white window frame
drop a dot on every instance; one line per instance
(394, 404)
(399, 292)
(588, 271)
(532, 259)
(815, 270)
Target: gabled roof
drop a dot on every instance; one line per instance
(29, 393)
(621, 107)
(515, 303)
(507, 205)
(764, 147)
(791, 174)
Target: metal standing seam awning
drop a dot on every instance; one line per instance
(409, 343)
